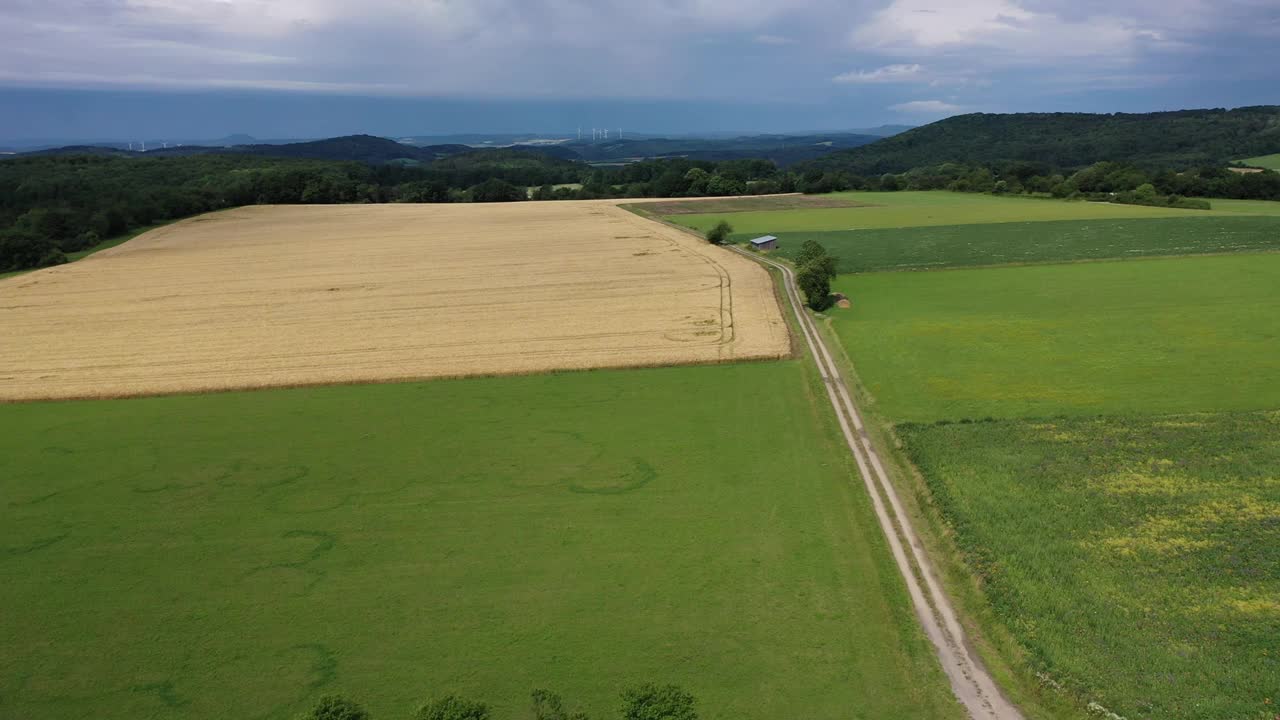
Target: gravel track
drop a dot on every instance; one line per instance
(970, 681)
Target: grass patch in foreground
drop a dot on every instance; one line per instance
(1137, 560)
(925, 208)
(240, 554)
(1162, 335)
(1036, 242)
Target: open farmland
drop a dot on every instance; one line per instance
(240, 554)
(1137, 559)
(926, 248)
(294, 295)
(925, 208)
(1162, 335)
(1123, 546)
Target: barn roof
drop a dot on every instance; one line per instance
(763, 239)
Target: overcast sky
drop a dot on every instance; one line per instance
(182, 68)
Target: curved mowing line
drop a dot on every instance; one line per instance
(970, 681)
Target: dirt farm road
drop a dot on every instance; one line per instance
(970, 681)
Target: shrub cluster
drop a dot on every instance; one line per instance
(642, 702)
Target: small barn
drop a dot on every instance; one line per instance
(765, 242)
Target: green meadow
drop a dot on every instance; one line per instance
(1153, 336)
(1271, 162)
(1101, 437)
(926, 208)
(1136, 559)
(240, 554)
(926, 248)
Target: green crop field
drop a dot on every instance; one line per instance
(916, 209)
(926, 248)
(1129, 549)
(1136, 559)
(1266, 161)
(1162, 335)
(237, 555)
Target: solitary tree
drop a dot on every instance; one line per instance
(815, 283)
(815, 270)
(654, 702)
(720, 233)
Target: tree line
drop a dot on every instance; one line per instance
(57, 204)
(1110, 181)
(642, 702)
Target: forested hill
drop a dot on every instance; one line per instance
(782, 150)
(358, 148)
(1068, 141)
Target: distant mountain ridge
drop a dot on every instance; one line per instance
(783, 150)
(359, 148)
(1163, 140)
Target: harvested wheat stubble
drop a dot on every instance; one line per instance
(300, 295)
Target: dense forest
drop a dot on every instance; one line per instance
(51, 205)
(1070, 141)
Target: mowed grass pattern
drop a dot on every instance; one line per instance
(1136, 559)
(240, 554)
(921, 209)
(927, 248)
(1159, 336)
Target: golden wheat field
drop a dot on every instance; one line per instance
(299, 295)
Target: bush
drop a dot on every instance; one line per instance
(334, 707)
(548, 706)
(720, 233)
(653, 702)
(453, 707)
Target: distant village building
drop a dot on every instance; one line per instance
(766, 242)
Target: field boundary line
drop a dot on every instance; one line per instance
(972, 684)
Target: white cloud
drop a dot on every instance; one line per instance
(1011, 30)
(620, 48)
(886, 74)
(927, 107)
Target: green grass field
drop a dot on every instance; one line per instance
(1136, 559)
(1271, 162)
(1129, 550)
(920, 209)
(1162, 336)
(926, 248)
(237, 555)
